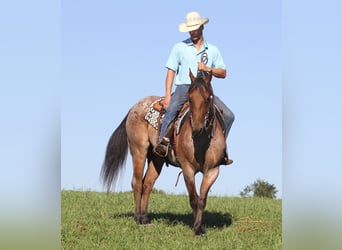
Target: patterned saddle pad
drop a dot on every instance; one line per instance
(155, 113)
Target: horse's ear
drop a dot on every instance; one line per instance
(207, 78)
(192, 77)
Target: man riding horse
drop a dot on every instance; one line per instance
(199, 139)
(196, 54)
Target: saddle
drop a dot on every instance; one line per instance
(156, 112)
(155, 115)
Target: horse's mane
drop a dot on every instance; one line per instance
(200, 84)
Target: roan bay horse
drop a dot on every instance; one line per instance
(199, 146)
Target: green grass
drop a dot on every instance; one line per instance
(92, 220)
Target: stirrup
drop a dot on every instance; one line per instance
(162, 149)
(225, 160)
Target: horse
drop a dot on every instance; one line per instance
(198, 146)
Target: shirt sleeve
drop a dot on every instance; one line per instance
(218, 62)
(173, 60)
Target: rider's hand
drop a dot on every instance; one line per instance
(166, 103)
(203, 67)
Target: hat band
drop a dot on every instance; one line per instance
(191, 25)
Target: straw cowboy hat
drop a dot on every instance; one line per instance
(193, 22)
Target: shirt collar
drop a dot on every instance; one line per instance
(190, 43)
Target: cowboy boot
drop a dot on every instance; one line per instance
(162, 147)
(225, 160)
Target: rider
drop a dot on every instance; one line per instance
(197, 54)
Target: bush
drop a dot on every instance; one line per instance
(260, 188)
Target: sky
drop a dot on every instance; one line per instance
(113, 56)
(70, 70)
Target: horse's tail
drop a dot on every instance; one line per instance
(116, 154)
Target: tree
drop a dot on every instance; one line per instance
(260, 188)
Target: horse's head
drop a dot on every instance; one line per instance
(201, 99)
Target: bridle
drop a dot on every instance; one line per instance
(209, 116)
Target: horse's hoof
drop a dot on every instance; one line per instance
(200, 232)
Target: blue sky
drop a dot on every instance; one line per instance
(112, 56)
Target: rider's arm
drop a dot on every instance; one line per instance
(217, 72)
(170, 75)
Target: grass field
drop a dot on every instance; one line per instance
(92, 220)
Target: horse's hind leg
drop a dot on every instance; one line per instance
(139, 158)
(154, 168)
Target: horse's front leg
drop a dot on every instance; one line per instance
(154, 168)
(208, 179)
(189, 178)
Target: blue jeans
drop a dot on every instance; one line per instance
(228, 115)
(179, 97)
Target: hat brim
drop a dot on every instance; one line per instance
(184, 28)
